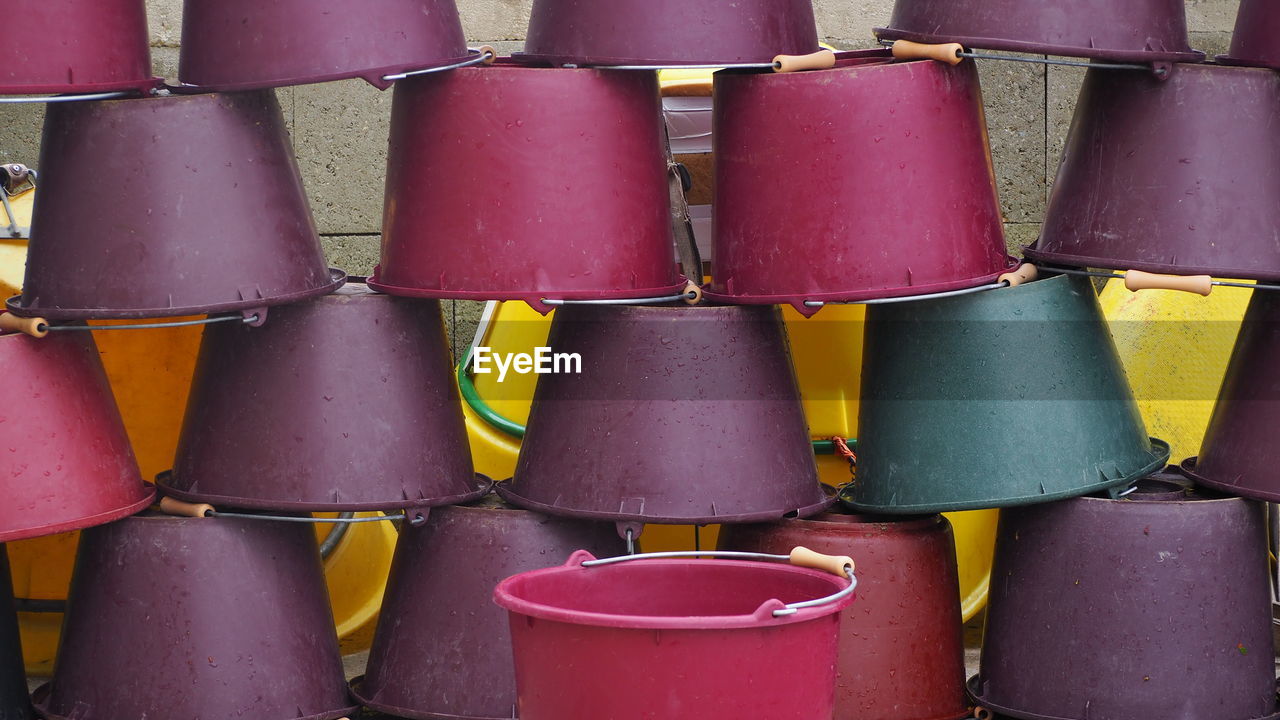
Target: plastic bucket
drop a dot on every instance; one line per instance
(69, 461)
(1257, 37)
(1153, 606)
(1129, 31)
(230, 615)
(380, 429)
(670, 637)
(943, 432)
(1237, 455)
(244, 45)
(1156, 173)
(600, 229)
(14, 702)
(892, 198)
(901, 649)
(75, 46)
(680, 415)
(135, 220)
(440, 630)
(669, 32)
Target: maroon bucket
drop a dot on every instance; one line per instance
(1153, 606)
(1237, 455)
(1257, 37)
(600, 229)
(1129, 31)
(669, 32)
(227, 618)
(378, 428)
(905, 202)
(244, 45)
(687, 415)
(439, 630)
(1177, 176)
(901, 646)
(170, 206)
(69, 464)
(644, 637)
(75, 46)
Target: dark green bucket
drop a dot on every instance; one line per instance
(1008, 397)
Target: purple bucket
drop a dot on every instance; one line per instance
(687, 415)
(170, 206)
(1157, 175)
(1128, 31)
(1257, 37)
(380, 428)
(227, 618)
(244, 44)
(669, 32)
(1238, 454)
(1153, 606)
(439, 630)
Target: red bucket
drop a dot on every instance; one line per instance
(878, 183)
(68, 463)
(75, 46)
(1257, 37)
(657, 636)
(669, 32)
(246, 44)
(527, 183)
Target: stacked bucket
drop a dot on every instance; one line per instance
(546, 178)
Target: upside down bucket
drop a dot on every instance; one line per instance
(378, 428)
(1002, 398)
(1175, 176)
(1256, 40)
(669, 32)
(182, 205)
(901, 649)
(572, 202)
(69, 464)
(684, 415)
(1130, 31)
(14, 702)
(244, 45)
(661, 637)
(1237, 455)
(228, 616)
(75, 46)
(1153, 606)
(439, 630)
(879, 184)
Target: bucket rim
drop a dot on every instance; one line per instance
(762, 617)
(535, 298)
(356, 688)
(484, 485)
(1189, 55)
(337, 278)
(972, 686)
(1072, 260)
(40, 701)
(1188, 468)
(371, 75)
(83, 523)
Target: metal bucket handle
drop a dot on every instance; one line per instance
(838, 565)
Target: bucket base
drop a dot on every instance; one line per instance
(1035, 48)
(1020, 715)
(1161, 459)
(483, 486)
(40, 701)
(798, 300)
(412, 714)
(534, 299)
(337, 278)
(617, 517)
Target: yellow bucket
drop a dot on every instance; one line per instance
(150, 373)
(827, 351)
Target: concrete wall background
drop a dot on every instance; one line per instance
(340, 129)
